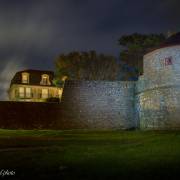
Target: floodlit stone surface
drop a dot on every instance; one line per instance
(153, 102)
(158, 90)
(99, 104)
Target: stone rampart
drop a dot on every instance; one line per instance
(99, 104)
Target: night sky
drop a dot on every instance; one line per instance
(34, 32)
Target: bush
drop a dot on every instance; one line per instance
(53, 99)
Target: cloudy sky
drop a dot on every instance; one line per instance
(34, 32)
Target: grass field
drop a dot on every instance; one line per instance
(81, 154)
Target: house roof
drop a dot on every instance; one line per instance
(34, 77)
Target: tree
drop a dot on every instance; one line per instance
(86, 66)
(135, 46)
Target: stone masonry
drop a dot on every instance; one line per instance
(158, 90)
(152, 102)
(99, 104)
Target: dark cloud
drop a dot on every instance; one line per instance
(33, 32)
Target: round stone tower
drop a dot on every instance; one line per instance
(158, 89)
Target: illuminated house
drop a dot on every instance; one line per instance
(33, 85)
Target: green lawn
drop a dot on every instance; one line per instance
(80, 154)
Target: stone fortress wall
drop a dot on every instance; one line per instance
(99, 104)
(158, 90)
(152, 102)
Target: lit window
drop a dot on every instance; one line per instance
(21, 92)
(44, 93)
(45, 80)
(28, 92)
(25, 78)
(59, 93)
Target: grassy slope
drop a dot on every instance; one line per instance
(91, 154)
